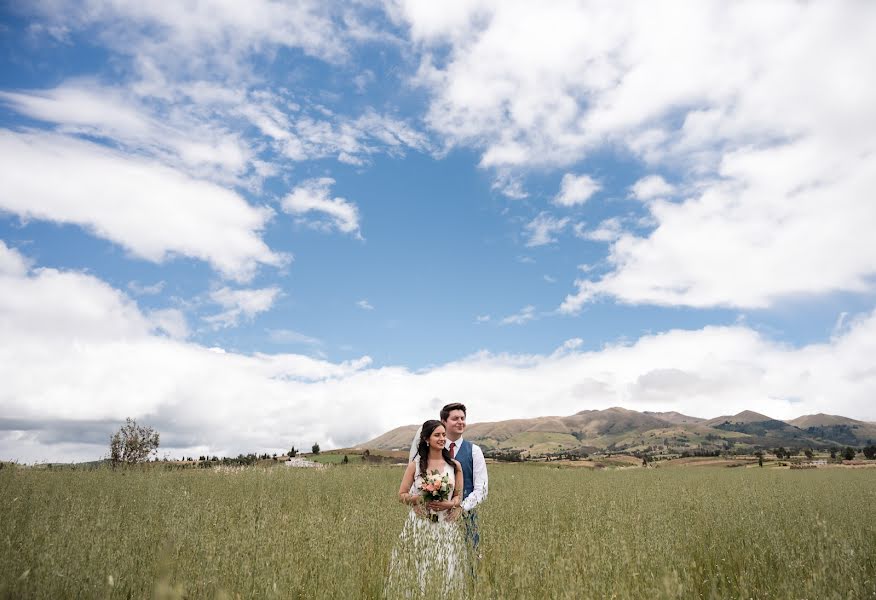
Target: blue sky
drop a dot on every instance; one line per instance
(319, 221)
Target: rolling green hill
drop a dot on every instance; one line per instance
(620, 429)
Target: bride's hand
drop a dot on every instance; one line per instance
(436, 505)
(421, 509)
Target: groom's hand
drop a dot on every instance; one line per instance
(436, 505)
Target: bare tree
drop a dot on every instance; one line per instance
(132, 443)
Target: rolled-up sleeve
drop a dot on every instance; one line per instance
(479, 477)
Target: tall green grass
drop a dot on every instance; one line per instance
(546, 533)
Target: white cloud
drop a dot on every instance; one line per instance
(547, 84)
(174, 137)
(170, 321)
(364, 304)
(652, 186)
(576, 189)
(781, 188)
(240, 304)
(509, 185)
(290, 336)
(350, 140)
(77, 357)
(840, 325)
(608, 230)
(230, 135)
(11, 261)
(482, 319)
(569, 346)
(549, 278)
(543, 229)
(209, 35)
(146, 290)
(788, 221)
(527, 313)
(313, 196)
(153, 211)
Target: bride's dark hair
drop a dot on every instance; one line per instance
(423, 447)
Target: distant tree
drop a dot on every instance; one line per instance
(870, 452)
(780, 452)
(808, 453)
(366, 454)
(133, 443)
(346, 460)
(293, 452)
(759, 455)
(315, 448)
(849, 453)
(833, 453)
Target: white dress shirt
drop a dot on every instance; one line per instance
(479, 476)
(479, 471)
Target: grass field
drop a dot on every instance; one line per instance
(546, 533)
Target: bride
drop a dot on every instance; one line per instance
(431, 550)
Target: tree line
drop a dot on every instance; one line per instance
(133, 444)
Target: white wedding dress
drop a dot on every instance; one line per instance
(430, 555)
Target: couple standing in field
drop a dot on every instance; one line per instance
(445, 481)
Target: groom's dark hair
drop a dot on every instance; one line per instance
(448, 408)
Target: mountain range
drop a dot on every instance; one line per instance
(620, 429)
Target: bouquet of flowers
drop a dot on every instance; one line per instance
(435, 488)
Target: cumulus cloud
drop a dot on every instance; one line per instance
(77, 357)
(151, 210)
(364, 304)
(607, 231)
(11, 261)
(175, 137)
(527, 313)
(232, 135)
(784, 222)
(576, 189)
(543, 229)
(206, 35)
(652, 186)
(290, 336)
(509, 185)
(314, 196)
(240, 304)
(170, 321)
(714, 88)
(75, 352)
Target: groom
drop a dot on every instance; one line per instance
(474, 468)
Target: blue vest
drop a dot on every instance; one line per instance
(463, 455)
